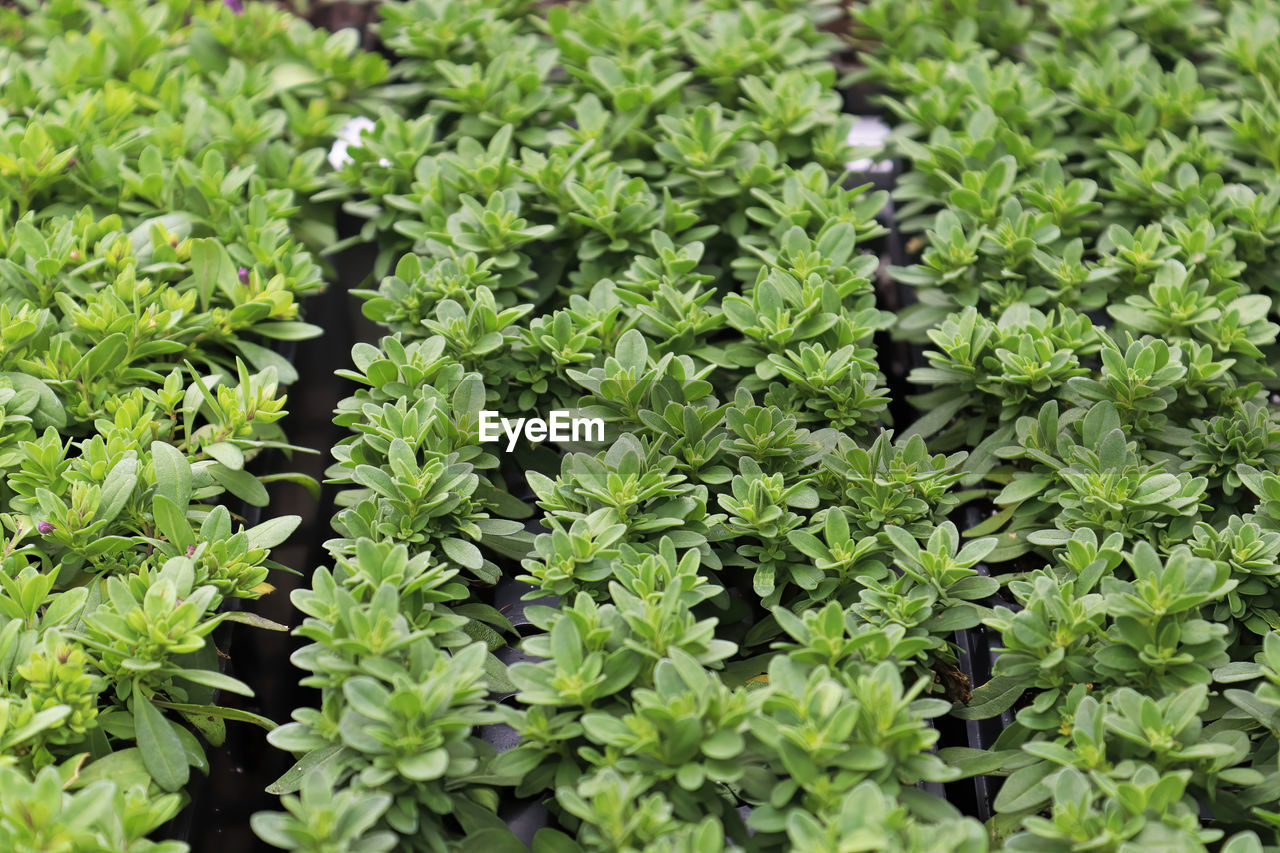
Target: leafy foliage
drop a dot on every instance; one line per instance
(156, 241)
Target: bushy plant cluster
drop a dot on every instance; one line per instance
(155, 165)
(743, 602)
(637, 213)
(1094, 190)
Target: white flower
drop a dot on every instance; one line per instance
(348, 137)
(868, 132)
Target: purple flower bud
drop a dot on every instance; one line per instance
(235, 6)
(243, 273)
(191, 549)
(45, 527)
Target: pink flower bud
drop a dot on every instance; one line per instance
(45, 527)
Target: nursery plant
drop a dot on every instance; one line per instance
(1095, 299)
(599, 209)
(935, 501)
(156, 241)
(753, 607)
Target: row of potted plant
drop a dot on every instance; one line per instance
(635, 214)
(156, 240)
(744, 601)
(1096, 198)
(1097, 201)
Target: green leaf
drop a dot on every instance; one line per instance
(216, 680)
(936, 419)
(49, 411)
(723, 745)
(491, 839)
(173, 473)
(247, 618)
(118, 488)
(1024, 789)
(236, 715)
(310, 484)
(809, 545)
(290, 75)
(310, 763)
(992, 698)
(1251, 704)
(172, 522)
(1238, 671)
(973, 762)
(30, 239)
(261, 358)
(902, 540)
(462, 552)
(242, 484)
(469, 397)
(124, 767)
(566, 645)
(289, 330)
(495, 673)
(367, 697)
(212, 728)
(211, 267)
(424, 766)
(162, 751)
(554, 841)
(957, 617)
(47, 719)
(974, 588)
(226, 453)
(1024, 486)
(105, 357)
(271, 533)
(632, 352)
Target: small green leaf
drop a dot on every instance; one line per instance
(173, 473)
(632, 352)
(271, 533)
(1022, 488)
(462, 552)
(289, 330)
(216, 680)
(310, 763)
(162, 751)
(242, 484)
(171, 522)
(992, 698)
(118, 488)
(211, 268)
(236, 715)
(226, 453)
